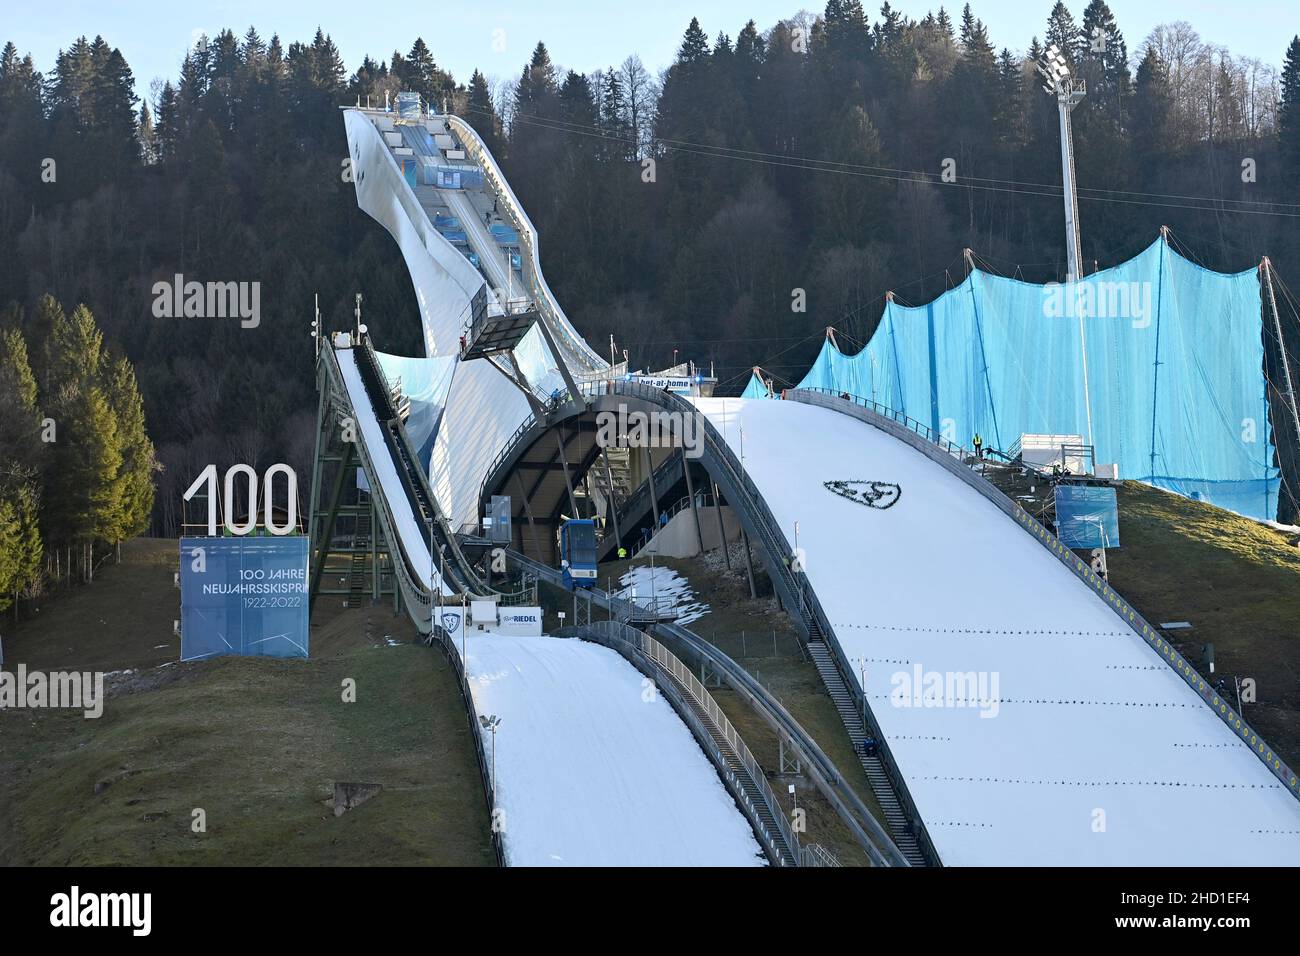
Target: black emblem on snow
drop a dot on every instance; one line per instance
(873, 494)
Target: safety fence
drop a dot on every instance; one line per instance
(448, 646)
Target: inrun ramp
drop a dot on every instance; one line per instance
(1093, 750)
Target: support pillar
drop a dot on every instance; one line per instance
(532, 525)
(749, 564)
(695, 511)
(650, 477)
(722, 528)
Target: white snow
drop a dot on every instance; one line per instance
(1098, 754)
(663, 587)
(591, 768)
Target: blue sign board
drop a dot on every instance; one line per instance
(1087, 516)
(245, 596)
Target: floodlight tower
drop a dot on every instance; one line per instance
(1069, 93)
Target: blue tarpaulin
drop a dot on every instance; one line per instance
(1175, 371)
(755, 389)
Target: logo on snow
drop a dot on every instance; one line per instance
(450, 622)
(873, 494)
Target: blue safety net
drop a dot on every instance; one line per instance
(1175, 371)
(755, 388)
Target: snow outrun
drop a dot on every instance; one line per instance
(590, 772)
(1098, 754)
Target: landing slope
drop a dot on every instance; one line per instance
(1092, 752)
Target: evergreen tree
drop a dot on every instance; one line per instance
(74, 348)
(10, 553)
(1288, 124)
(537, 88)
(850, 208)
(1063, 32)
(148, 136)
(482, 114)
(168, 128)
(20, 445)
(138, 459)
(1152, 113)
(1103, 62)
(614, 122)
(695, 45)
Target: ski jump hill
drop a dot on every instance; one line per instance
(1016, 709)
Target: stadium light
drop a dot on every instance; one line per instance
(1069, 93)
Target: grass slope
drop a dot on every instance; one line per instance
(1235, 580)
(257, 744)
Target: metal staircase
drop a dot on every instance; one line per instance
(635, 507)
(357, 576)
(875, 770)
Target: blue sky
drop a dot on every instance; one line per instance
(581, 34)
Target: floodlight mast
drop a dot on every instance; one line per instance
(1069, 93)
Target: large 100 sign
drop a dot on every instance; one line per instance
(241, 593)
(208, 478)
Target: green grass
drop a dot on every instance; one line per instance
(1235, 580)
(256, 743)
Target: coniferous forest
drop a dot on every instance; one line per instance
(802, 155)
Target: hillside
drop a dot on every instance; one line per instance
(257, 744)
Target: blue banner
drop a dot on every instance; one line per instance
(1087, 516)
(245, 596)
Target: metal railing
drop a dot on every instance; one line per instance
(884, 411)
(585, 357)
(740, 490)
(634, 500)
